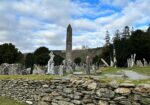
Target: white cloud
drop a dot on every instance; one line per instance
(118, 3)
(31, 24)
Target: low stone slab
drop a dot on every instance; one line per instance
(123, 90)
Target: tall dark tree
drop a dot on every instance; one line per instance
(148, 30)
(117, 35)
(138, 43)
(41, 55)
(126, 32)
(107, 38)
(58, 60)
(77, 60)
(96, 60)
(10, 54)
(29, 61)
(141, 44)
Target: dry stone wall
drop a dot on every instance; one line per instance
(75, 91)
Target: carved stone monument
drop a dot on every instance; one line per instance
(11, 69)
(87, 65)
(131, 61)
(69, 49)
(145, 62)
(61, 70)
(50, 69)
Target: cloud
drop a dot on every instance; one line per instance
(117, 3)
(31, 24)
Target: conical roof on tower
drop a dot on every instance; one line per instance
(69, 27)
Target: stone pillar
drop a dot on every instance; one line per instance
(69, 49)
(88, 65)
(69, 43)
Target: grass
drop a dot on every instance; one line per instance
(142, 70)
(123, 80)
(29, 77)
(111, 70)
(8, 101)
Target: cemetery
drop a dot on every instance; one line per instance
(74, 52)
(73, 84)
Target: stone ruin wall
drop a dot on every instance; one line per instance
(75, 91)
(81, 53)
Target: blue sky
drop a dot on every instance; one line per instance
(30, 24)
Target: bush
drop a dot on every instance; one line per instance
(77, 60)
(10, 54)
(58, 60)
(41, 56)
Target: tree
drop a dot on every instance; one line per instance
(148, 30)
(107, 38)
(96, 59)
(117, 35)
(126, 32)
(41, 56)
(10, 54)
(29, 61)
(141, 44)
(77, 60)
(58, 60)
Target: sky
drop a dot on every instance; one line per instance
(30, 24)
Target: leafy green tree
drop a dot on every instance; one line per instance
(141, 44)
(29, 61)
(126, 32)
(96, 60)
(77, 60)
(41, 55)
(117, 35)
(58, 60)
(138, 43)
(107, 53)
(10, 54)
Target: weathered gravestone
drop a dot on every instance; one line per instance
(9, 69)
(87, 65)
(39, 69)
(50, 69)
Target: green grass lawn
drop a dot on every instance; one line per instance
(30, 77)
(142, 70)
(8, 101)
(123, 80)
(111, 70)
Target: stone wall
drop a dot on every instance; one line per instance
(75, 91)
(81, 53)
(12, 69)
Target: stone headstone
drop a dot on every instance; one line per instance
(61, 70)
(69, 66)
(39, 69)
(145, 62)
(139, 63)
(26, 71)
(87, 65)
(131, 61)
(50, 69)
(10, 69)
(104, 62)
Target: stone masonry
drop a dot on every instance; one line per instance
(75, 91)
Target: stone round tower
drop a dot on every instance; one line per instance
(69, 43)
